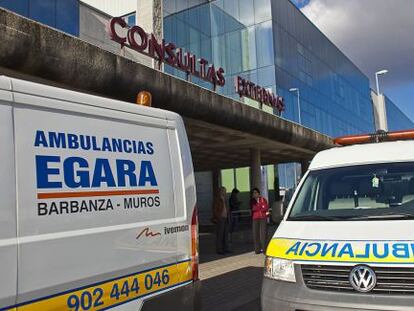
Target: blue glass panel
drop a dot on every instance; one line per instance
(205, 19)
(182, 33)
(262, 11)
(397, 120)
(234, 52)
(131, 20)
(266, 76)
(217, 21)
(43, 11)
(181, 5)
(231, 8)
(246, 10)
(264, 44)
(205, 49)
(168, 7)
(67, 16)
(19, 6)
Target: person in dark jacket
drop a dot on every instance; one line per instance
(260, 211)
(234, 204)
(221, 216)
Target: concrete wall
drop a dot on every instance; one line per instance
(113, 7)
(149, 17)
(380, 112)
(92, 29)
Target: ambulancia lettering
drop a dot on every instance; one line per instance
(343, 251)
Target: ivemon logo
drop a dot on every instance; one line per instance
(363, 279)
(148, 233)
(176, 229)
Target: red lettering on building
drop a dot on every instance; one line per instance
(245, 88)
(165, 52)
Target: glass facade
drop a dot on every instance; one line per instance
(227, 33)
(60, 14)
(335, 95)
(397, 120)
(272, 44)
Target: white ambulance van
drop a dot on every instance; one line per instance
(347, 240)
(97, 205)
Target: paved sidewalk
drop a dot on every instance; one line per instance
(231, 282)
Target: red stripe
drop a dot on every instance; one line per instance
(59, 195)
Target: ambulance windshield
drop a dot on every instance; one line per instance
(363, 192)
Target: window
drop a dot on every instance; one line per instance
(363, 192)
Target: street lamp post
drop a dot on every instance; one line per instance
(295, 89)
(381, 72)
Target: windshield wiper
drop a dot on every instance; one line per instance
(388, 215)
(314, 217)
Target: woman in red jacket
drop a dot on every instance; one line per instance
(260, 211)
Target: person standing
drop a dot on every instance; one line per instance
(222, 219)
(260, 211)
(234, 204)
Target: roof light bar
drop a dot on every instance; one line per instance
(377, 137)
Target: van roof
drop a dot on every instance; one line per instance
(385, 152)
(42, 90)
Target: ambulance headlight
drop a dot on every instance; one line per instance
(279, 269)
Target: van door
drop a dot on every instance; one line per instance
(95, 198)
(8, 241)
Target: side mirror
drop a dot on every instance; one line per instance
(277, 211)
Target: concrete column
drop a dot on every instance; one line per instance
(255, 169)
(216, 181)
(149, 16)
(380, 111)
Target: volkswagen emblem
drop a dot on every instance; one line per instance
(363, 279)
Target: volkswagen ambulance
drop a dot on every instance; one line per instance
(97, 204)
(347, 240)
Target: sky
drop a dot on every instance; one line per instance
(375, 35)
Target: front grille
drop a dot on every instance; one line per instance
(390, 280)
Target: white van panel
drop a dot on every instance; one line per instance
(47, 219)
(8, 241)
(63, 250)
(177, 171)
(83, 255)
(185, 176)
(45, 91)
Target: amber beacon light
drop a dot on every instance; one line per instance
(377, 137)
(144, 98)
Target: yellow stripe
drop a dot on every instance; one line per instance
(343, 251)
(115, 292)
